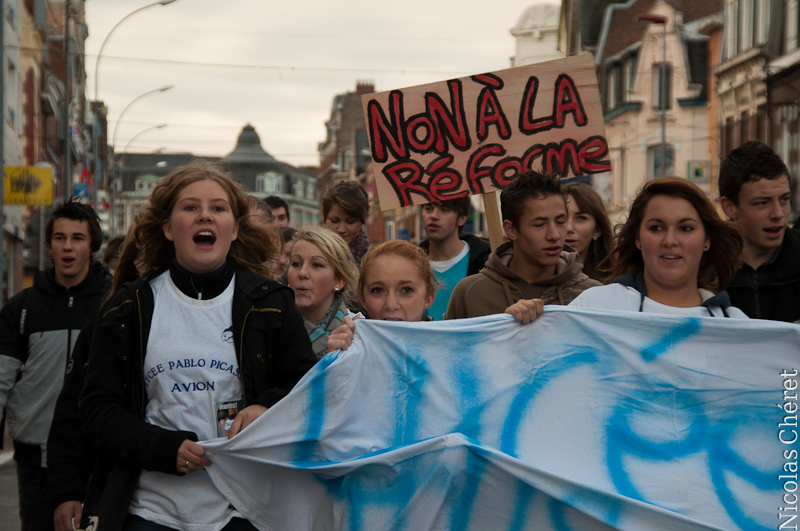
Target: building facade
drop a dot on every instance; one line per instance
(649, 80)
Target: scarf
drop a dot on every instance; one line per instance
(318, 333)
(360, 246)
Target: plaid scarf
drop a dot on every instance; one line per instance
(318, 333)
(360, 246)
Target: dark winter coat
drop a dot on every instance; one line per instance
(479, 251)
(38, 329)
(773, 290)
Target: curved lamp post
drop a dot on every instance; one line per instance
(128, 106)
(102, 46)
(140, 133)
(97, 164)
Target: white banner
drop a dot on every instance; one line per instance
(581, 420)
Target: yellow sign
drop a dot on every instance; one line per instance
(27, 185)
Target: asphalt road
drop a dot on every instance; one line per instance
(9, 502)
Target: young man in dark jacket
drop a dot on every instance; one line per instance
(453, 254)
(755, 194)
(38, 330)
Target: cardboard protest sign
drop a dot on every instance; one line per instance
(475, 134)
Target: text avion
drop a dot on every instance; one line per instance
(441, 129)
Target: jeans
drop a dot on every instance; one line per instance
(34, 513)
(134, 523)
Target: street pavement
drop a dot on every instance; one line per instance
(9, 502)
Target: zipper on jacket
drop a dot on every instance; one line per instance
(241, 349)
(241, 341)
(69, 305)
(141, 348)
(758, 302)
(69, 332)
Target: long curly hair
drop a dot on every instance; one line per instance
(719, 263)
(251, 251)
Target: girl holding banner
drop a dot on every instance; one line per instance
(323, 275)
(202, 331)
(673, 255)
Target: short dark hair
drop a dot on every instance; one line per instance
(287, 234)
(460, 206)
(273, 201)
(752, 161)
(73, 209)
(527, 185)
(351, 197)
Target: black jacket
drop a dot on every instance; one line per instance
(479, 251)
(773, 290)
(272, 348)
(35, 350)
(70, 453)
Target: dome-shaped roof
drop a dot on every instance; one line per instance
(248, 149)
(540, 15)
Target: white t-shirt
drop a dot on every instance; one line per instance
(624, 298)
(191, 374)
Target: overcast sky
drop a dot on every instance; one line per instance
(277, 65)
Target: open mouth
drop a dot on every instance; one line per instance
(67, 261)
(774, 232)
(552, 251)
(205, 237)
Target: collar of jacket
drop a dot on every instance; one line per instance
(97, 281)
(636, 281)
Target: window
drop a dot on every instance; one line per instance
(747, 20)
(731, 28)
(659, 70)
(611, 88)
(269, 182)
(661, 163)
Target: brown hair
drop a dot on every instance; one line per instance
(337, 253)
(528, 185)
(403, 249)
(718, 264)
(350, 196)
(126, 269)
(250, 251)
(590, 202)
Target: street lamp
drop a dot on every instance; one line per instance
(126, 17)
(140, 133)
(137, 98)
(97, 163)
(662, 80)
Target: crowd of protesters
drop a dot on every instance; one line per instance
(211, 285)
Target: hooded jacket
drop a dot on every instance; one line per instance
(717, 305)
(38, 330)
(479, 251)
(496, 287)
(773, 290)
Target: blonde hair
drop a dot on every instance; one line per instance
(250, 251)
(338, 255)
(403, 249)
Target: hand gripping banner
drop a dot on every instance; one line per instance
(581, 420)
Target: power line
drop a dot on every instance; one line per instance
(279, 68)
(289, 34)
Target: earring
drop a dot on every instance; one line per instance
(335, 289)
